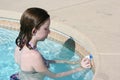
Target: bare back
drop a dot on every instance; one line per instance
(24, 58)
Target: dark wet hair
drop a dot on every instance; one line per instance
(31, 18)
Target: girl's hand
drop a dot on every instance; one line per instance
(85, 63)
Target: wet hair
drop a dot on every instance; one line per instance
(31, 18)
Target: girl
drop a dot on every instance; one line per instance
(34, 27)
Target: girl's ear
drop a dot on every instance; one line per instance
(34, 31)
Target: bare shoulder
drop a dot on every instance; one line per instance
(36, 57)
(36, 54)
(38, 63)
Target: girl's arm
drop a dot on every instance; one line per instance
(62, 74)
(39, 66)
(85, 63)
(67, 62)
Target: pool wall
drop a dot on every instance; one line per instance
(59, 32)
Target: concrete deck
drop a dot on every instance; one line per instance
(97, 19)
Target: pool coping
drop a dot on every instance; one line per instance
(7, 16)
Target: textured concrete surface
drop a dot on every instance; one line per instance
(97, 19)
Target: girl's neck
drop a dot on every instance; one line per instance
(33, 44)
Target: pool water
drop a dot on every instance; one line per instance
(49, 49)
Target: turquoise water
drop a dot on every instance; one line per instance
(49, 49)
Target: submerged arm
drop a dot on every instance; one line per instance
(53, 75)
(85, 63)
(67, 62)
(39, 66)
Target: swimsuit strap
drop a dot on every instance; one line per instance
(31, 46)
(46, 62)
